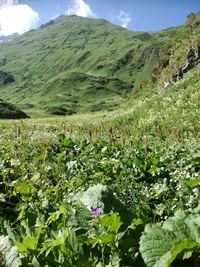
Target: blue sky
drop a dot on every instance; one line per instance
(145, 15)
(138, 15)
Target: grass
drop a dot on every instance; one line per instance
(172, 113)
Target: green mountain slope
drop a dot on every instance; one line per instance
(173, 114)
(76, 64)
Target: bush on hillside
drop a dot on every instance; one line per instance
(9, 111)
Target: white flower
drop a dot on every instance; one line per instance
(71, 164)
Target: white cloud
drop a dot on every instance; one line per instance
(124, 18)
(4, 3)
(16, 18)
(80, 8)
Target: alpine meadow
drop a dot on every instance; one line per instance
(100, 145)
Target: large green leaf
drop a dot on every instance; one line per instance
(102, 197)
(155, 243)
(29, 243)
(24, 188)
(192, 183)
(111, 222)
(9, 253)
(160, 245)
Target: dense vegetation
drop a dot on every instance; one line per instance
(113, 193)
(115, 189)
(44, 217)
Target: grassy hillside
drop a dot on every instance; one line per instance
(179, 54)
(76, 64)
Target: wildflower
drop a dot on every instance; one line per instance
(95, 212)
(72, 164)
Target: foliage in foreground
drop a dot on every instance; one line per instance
(178, 236)
(9, 255)
(46, 214)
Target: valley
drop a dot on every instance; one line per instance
(60, 67)
(99, 146)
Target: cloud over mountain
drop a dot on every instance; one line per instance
(80, 8)
(16, 18)
(124, 18)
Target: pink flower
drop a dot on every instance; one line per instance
(95, 212)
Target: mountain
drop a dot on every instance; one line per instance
(4, 39)
(74, 64)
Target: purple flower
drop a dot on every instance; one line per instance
(95, 212)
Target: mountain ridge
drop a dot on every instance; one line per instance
(75, 64)
(4, 39)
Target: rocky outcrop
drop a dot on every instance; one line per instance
(6, 78)
(192, 59)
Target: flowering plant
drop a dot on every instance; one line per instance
(95, 212)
